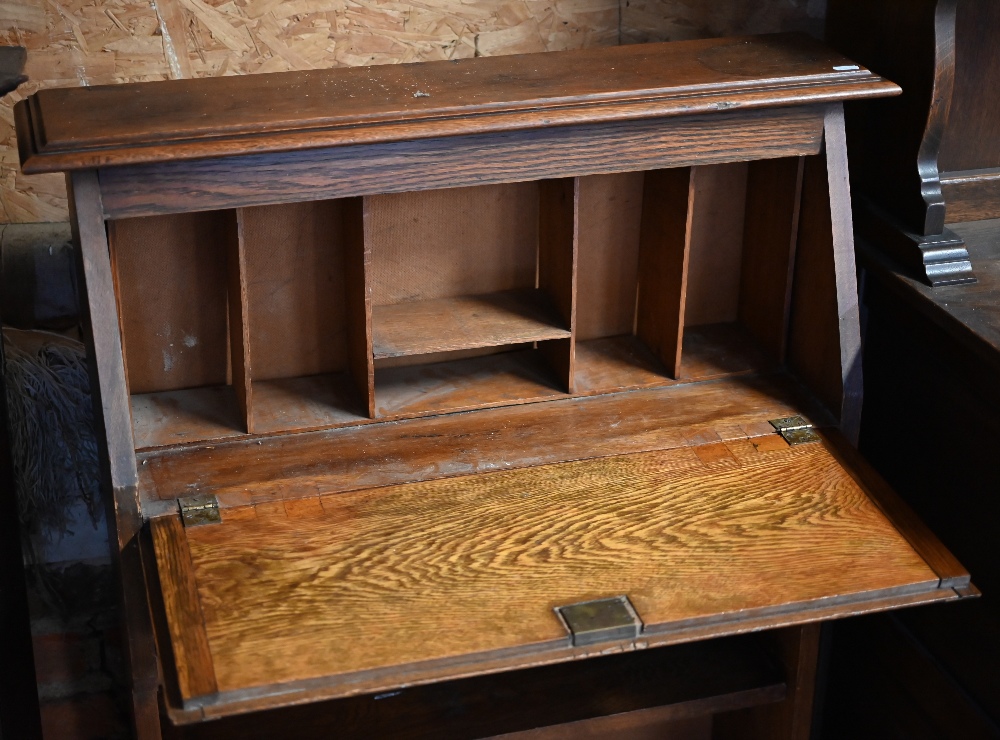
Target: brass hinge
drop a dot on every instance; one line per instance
(600, 621)
(795, 430)
(198, 510)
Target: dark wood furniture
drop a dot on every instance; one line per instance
(411, 374)
(932, 357)
(931, 157)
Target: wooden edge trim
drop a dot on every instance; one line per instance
(239, 321)
(267, 697)
(952, 573)
(182, 606)
(39, 162)
(971, 195)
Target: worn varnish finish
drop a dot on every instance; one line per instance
(456, 361)
(543, 536)
(113, 125)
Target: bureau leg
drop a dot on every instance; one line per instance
(798, 649)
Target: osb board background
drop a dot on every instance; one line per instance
(99, 42)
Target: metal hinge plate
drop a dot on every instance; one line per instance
(795, 430)
(198, 510)
(600, 621)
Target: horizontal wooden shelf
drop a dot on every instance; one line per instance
(185, 416)
(514, 377)
(467, 322)
(310, 402)
(430, 580)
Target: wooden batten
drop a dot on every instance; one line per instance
(770, 237)
(664, 250)
(358, 292)
(558, 242)
(239, 325)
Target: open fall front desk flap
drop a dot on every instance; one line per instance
(372, 589)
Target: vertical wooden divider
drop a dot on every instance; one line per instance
(239, 326)
(824, 338)
(558, 243)
(770, 237)
(664, 251)
(358, 294)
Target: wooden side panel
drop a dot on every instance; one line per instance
(664, 249)
(717, 205)
(119, 477)
(770, 236)
(608, 259)
(295, 288)
(239, 326)
(558, 242)
(358, 294)
(825, 335)
(171, 276)
(452, 242)
(192, 657)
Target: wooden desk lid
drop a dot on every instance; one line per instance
(72, 128)
(381, 588)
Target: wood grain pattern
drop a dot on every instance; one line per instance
(972, 195)
(526, 557)
(493, 439)
(466, 322)
(543, 153)
(126, 124)
(191, 654)
(664, 251)
(770, 237)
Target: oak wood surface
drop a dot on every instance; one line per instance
(120, 124)
(409, 166)
(326, 462)
(190, 652)
(466, 322)
(493, 554)
(187, 416)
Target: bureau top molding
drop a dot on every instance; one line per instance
(71, 128)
